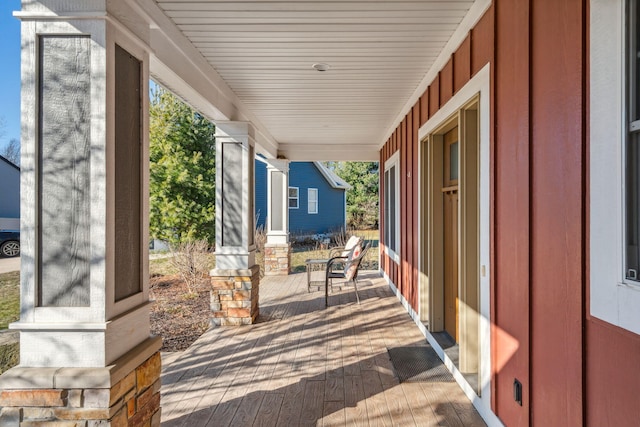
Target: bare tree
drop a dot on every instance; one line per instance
(11, 151)
(3, 125)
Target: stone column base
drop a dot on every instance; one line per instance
(277, 259)
(234, 297)
(126, 393)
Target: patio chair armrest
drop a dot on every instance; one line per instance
(334, 260)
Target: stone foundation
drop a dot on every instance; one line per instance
(126, 393)
(277, 259)
(234, 297)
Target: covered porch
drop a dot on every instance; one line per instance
(302, 364)
(321, 81)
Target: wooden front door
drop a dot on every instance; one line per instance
(450, 232)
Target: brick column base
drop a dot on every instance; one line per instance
(126, 393)
(234, 297)
(277, 259)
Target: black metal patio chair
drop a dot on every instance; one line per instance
(349, 273)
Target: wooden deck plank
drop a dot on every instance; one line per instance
(313, 403)
(350, 360)
(334, 389)
(420, 407)
(377, 409)
(179, 372)
(399, 408)
(468, 416)
(248, 409)
(195, 404)
(439, 401)
(188, 397)
(283, 368)
(291, 408)
(268, 364)
(208, 405)
(385, 369)
(355, 407)
(334, 359)
(225, 410)
(267, 415)
(302, 364)
(333, 415)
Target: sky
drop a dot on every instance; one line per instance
(9, 71)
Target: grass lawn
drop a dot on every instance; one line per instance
(368, 234)
(161, 267)
(9, 298)
(301, 253)
(9, 312)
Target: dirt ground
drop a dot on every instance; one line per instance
(177, 315)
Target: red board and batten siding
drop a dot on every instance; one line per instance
(446, 82)
(576, 370)
(511, 246)
(557, 215)
(613, 375)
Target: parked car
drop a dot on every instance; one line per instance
(9, 243)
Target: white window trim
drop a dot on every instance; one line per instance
(297, 198)
(394, 160)
(309, 192)
(612, 299)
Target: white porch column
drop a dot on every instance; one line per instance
(236, 278)
(85, 348)
(277, 257)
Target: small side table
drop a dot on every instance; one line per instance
(312, 265)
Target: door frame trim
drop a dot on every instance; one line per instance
(480, 85)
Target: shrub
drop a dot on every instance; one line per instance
(191, 261)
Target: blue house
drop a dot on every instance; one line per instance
(9, 195)
(317, 198)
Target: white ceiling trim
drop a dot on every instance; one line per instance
(250, 60)
(470, 20)
(177, 64)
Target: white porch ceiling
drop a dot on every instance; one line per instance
(380, 55)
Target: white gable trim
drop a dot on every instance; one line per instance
(334, 180)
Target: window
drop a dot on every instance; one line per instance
(312, 200)
(392, 206)
(614, 163)
(293, 198)
(632, 150)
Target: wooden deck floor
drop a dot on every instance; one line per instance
(302, 364)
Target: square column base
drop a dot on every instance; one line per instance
(277, 259)
(126, 393)
(234, 296)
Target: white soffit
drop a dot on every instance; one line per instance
(378, 52)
